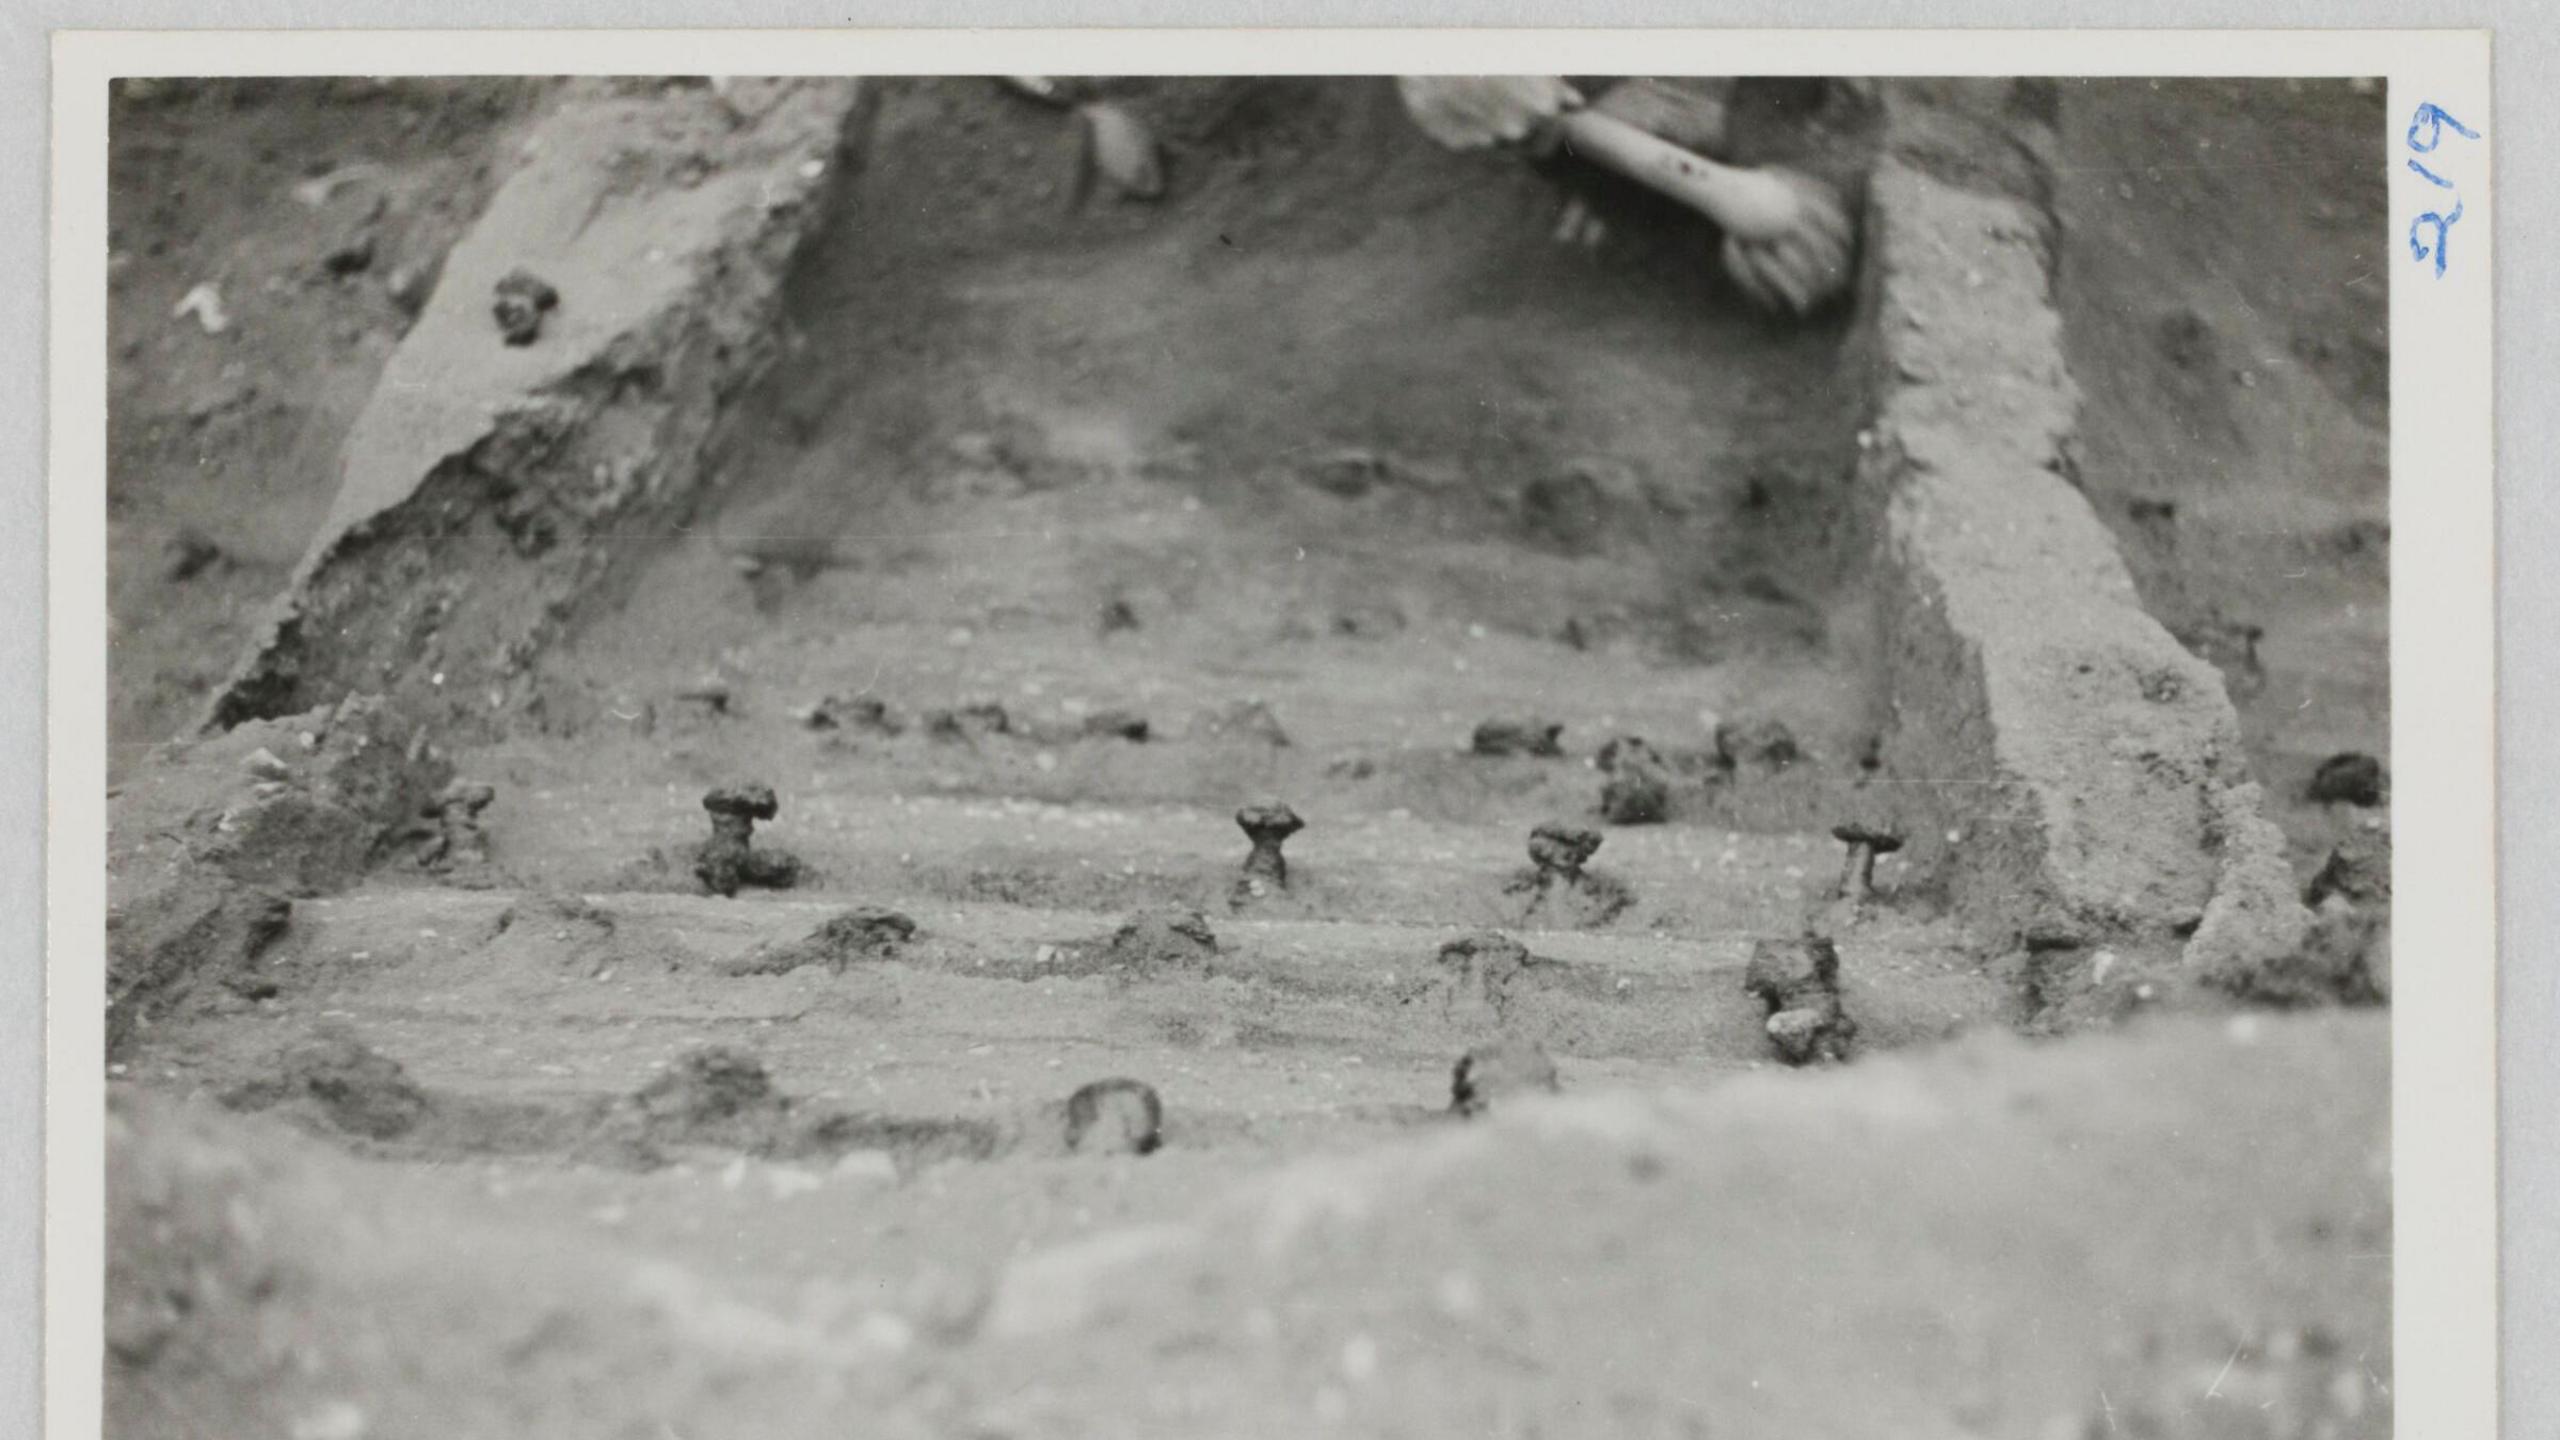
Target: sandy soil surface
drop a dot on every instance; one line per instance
(2226, 305)
(1068, 525)
(316, 213)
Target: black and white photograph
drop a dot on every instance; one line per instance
(1202, 754)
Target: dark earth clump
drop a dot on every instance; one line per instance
(1490, 1073)
(1799, 982)
(1159, 940)
(455, 840)
(2187, 341)
(1117, 725)
(858, 714)
(1767, 744)
(2344, 959)
(190, 553)
(867, 933)
(969, 722)
(1517, 737)
(341, 1082)
(711, 693)
(2358, 869)
(721, 1098)
(523, 299)
(729, 860)
(559, 907)
(1476, 976)
(200, 925)
(1115, 1117)
(709, 1086)
(1349, 472)
(350, 254)
(1564, 512)
(1638, 790)
(2350, 777)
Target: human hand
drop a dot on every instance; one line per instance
(1793, 249)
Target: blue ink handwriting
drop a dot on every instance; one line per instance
(2426, 131)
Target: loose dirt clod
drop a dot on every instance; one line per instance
(1492, 1072)
(2187, 341)
(1117, 725)
(2357, 870)
(713, 1096)
(339, 1080)
(1349, 472)
(1518, 737)
(1858, 871)
(1799, 982)
(1767, 744)
(1638, 790)
(728, 859)
(2351, 777)
(1158, 940)
(458, 841)
(711, 693)
(1476, 976)
(1115, 1117)
(350, 255)
(1249, 720)
(2344, 959)
(523, 299)
(190, 553)
(1268, 827)
(164, 940)
(867, 933)
(861, 714)
(968, 722)
(708, 1085)
(1565, 512)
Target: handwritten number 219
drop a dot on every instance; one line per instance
(2426, 132)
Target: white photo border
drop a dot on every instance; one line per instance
(2443, 613)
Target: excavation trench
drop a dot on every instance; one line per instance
(1058, 532)
(1064, 524)
(1046, 553)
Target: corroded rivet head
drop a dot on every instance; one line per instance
(756, 802)
(1873, 837)
(1557, 846)
(1269, 822)
(1115, 1117)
